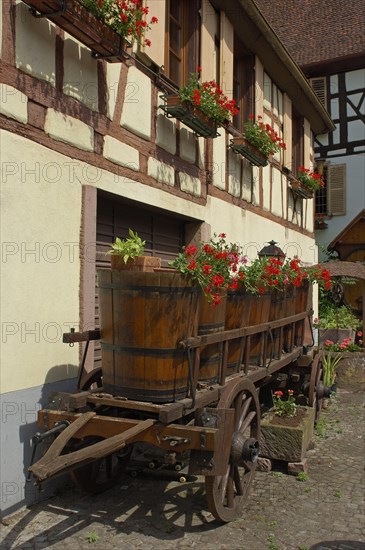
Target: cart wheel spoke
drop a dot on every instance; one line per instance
(227, 494)
(245, 408)
(102, 474)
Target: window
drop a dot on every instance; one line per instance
(331, 199)
(182, 43)
(243, 83)
(273, 109)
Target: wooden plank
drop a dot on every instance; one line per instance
(159, 434)
(172, 412)
(49, 466)
(87, 335)
(111, 401)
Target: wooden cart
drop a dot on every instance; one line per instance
(215, 430)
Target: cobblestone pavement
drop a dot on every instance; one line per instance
(326, 511)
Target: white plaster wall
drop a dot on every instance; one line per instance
(112, 82)
(80, 79)
(187, 144)
(355, 80)
(40, 229)
(234, 174)
(219, 161)
(276, 193)
(253, 231)
(246, 181)
(35, 41)
(137, 105)
(266, 186)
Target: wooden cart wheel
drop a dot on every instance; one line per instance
(316, 387)
(227, 494)
(92, 379)
(102, 474)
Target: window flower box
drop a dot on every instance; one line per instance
(243, 147)
(75, 19)
(191, 116)
(301, 190)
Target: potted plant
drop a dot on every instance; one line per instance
(336, 323)
(286, 429)
(319, 222)
(202, 106)
(306, 182)
(258, 142)
(102, 25)
(127, 254)
(351, 356)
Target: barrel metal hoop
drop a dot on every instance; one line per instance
(161, 352)
(153, 288)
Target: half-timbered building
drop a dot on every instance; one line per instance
(88, 151)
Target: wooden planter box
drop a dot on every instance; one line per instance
(73, 18)
(285, 439)
(300, 190)
(243, 147)
(191, 116)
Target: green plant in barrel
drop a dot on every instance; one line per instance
(129, 248)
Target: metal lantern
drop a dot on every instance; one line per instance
(271, 251)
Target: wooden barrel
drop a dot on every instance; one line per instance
(289, 310)
(237, 316)
(211, 320)
(277, 311)
(302, 303)
(259, 313)
(143, 316)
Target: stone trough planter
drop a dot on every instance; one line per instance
(351, 370)
(287, 438)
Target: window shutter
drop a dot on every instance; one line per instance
(336, 179)
(319, 86)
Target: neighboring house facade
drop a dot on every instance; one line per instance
(326, 38)
(87, 153)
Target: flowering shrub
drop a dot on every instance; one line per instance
(210, 265)
(309, 179)
(268, 273)
(126, 17)
(209, 98)
(285, 408)
(337, 317)
(346, 345)
(263, 136)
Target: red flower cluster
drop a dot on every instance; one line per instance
(310, 179)
(209, 98)
(263, 136)
(268, 273)
(126, 17)
(210, 265)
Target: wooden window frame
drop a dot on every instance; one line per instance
(189, 54)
